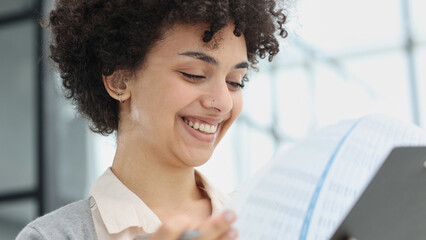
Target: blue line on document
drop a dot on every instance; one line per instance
(308, 217)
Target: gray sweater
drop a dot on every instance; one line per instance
(73, 221)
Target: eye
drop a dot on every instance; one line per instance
(192, 77)
(235, 86)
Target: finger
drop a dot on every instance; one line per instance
(172, 228)
(217, 226)
(231, 234)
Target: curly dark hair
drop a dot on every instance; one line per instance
(95, 37)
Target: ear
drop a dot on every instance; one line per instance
(116, 86)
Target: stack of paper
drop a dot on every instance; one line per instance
(307, 190)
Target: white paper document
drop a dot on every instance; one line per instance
(306, 191)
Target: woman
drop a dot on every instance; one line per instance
(167, 77)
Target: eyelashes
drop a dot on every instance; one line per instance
(195, 78)
(234, 86)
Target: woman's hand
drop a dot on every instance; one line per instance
(215, 228)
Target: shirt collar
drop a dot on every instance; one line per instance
(120, 208)
(217, 198)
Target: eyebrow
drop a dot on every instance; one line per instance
(211, 60)
(241, 65)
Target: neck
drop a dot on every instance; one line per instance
(158, 184)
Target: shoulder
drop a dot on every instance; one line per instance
(73, 221)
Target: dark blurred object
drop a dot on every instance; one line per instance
(393, 207)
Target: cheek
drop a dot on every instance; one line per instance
(235, 113)
(236, 110)
(237, 106)
(134, 112)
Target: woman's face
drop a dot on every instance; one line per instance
(185, 84)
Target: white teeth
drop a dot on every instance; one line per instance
(207, 128)
(201, 127)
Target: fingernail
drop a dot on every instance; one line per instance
(229, 216)
(231, 233)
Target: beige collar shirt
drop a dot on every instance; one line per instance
(119, 214)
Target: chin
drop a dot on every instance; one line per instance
(197, 159)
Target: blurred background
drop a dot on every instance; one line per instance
(342, 59)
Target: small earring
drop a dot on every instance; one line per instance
(119, 97)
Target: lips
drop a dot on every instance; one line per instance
(201, 126)
(204, 128)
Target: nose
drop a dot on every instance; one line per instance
(218, 98)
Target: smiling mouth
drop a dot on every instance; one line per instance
(201, 127)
